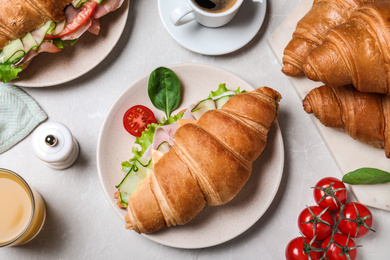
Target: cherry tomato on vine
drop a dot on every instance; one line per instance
(315, 221)
(325, 189)
(137, 118)
(296, 248)
(337, 253)
(360, 220)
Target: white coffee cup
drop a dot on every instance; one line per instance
(188, 11)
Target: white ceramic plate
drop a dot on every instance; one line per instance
(349, 154)
(210, 226)
(215, 41)
(74, 61)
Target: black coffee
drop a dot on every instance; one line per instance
(214, 6)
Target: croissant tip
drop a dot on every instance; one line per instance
(309, 72)
(275, 95)
(130, 225)
(307, 106)
(291, 70)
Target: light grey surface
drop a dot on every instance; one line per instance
(81, 224)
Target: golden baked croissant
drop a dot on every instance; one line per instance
(208, 164)
(363, 116)
(312, 28)
(356, 52)
(18, 17)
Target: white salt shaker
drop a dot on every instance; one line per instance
(54, 144)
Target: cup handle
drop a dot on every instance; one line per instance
(182, 14)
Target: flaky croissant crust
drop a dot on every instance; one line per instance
(18, 17)
(363, 116)
(312, 29)
(208, 165)
(356, 52)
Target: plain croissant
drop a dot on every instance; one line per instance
(356, 52)
(312, 29)
(18, 17)
(363, 116)
(208, 165)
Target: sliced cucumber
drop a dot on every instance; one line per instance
(209, 104)
(16, 49)
(12, 52)
(29, 43)
(57, 28)
(128, 186)
(221, 101)
(78, 3)
(202, 107)
(140, 170)
(164, 147)
(40, 33)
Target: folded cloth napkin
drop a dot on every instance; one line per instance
(19, 115)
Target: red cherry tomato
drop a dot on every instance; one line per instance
(317, 221)
(323, 190)
(86, 11)
(137, 118)
(295, 249)
(361, 218)
(337, 253)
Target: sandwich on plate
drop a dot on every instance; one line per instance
(30, 27)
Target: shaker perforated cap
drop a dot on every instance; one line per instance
(54, 144)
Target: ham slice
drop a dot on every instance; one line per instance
(44, 47)
(80, 31)
(106, 7)
(165, 133)
(92, 25)
(95, 27)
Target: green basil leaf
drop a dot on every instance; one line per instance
(164, 90)
(366, 176)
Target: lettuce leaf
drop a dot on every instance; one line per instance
(146, 140)
(61, 43)
(222, 89)
(8, 72)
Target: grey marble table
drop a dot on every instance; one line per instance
(81, 223)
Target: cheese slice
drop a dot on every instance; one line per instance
(156, 155)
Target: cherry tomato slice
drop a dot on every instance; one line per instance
(298, 249)
(361, 218)
(315, 221)
(137, 118)
(86, 11)
(323, 190)
(337, 253)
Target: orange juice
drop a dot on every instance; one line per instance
(22, 210)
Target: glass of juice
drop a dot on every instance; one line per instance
(22, 210)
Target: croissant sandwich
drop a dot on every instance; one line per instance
(356, 52)
(363, 116)
(209, 163)
(312, 29)
(29, 27)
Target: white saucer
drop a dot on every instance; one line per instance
(216, 41)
